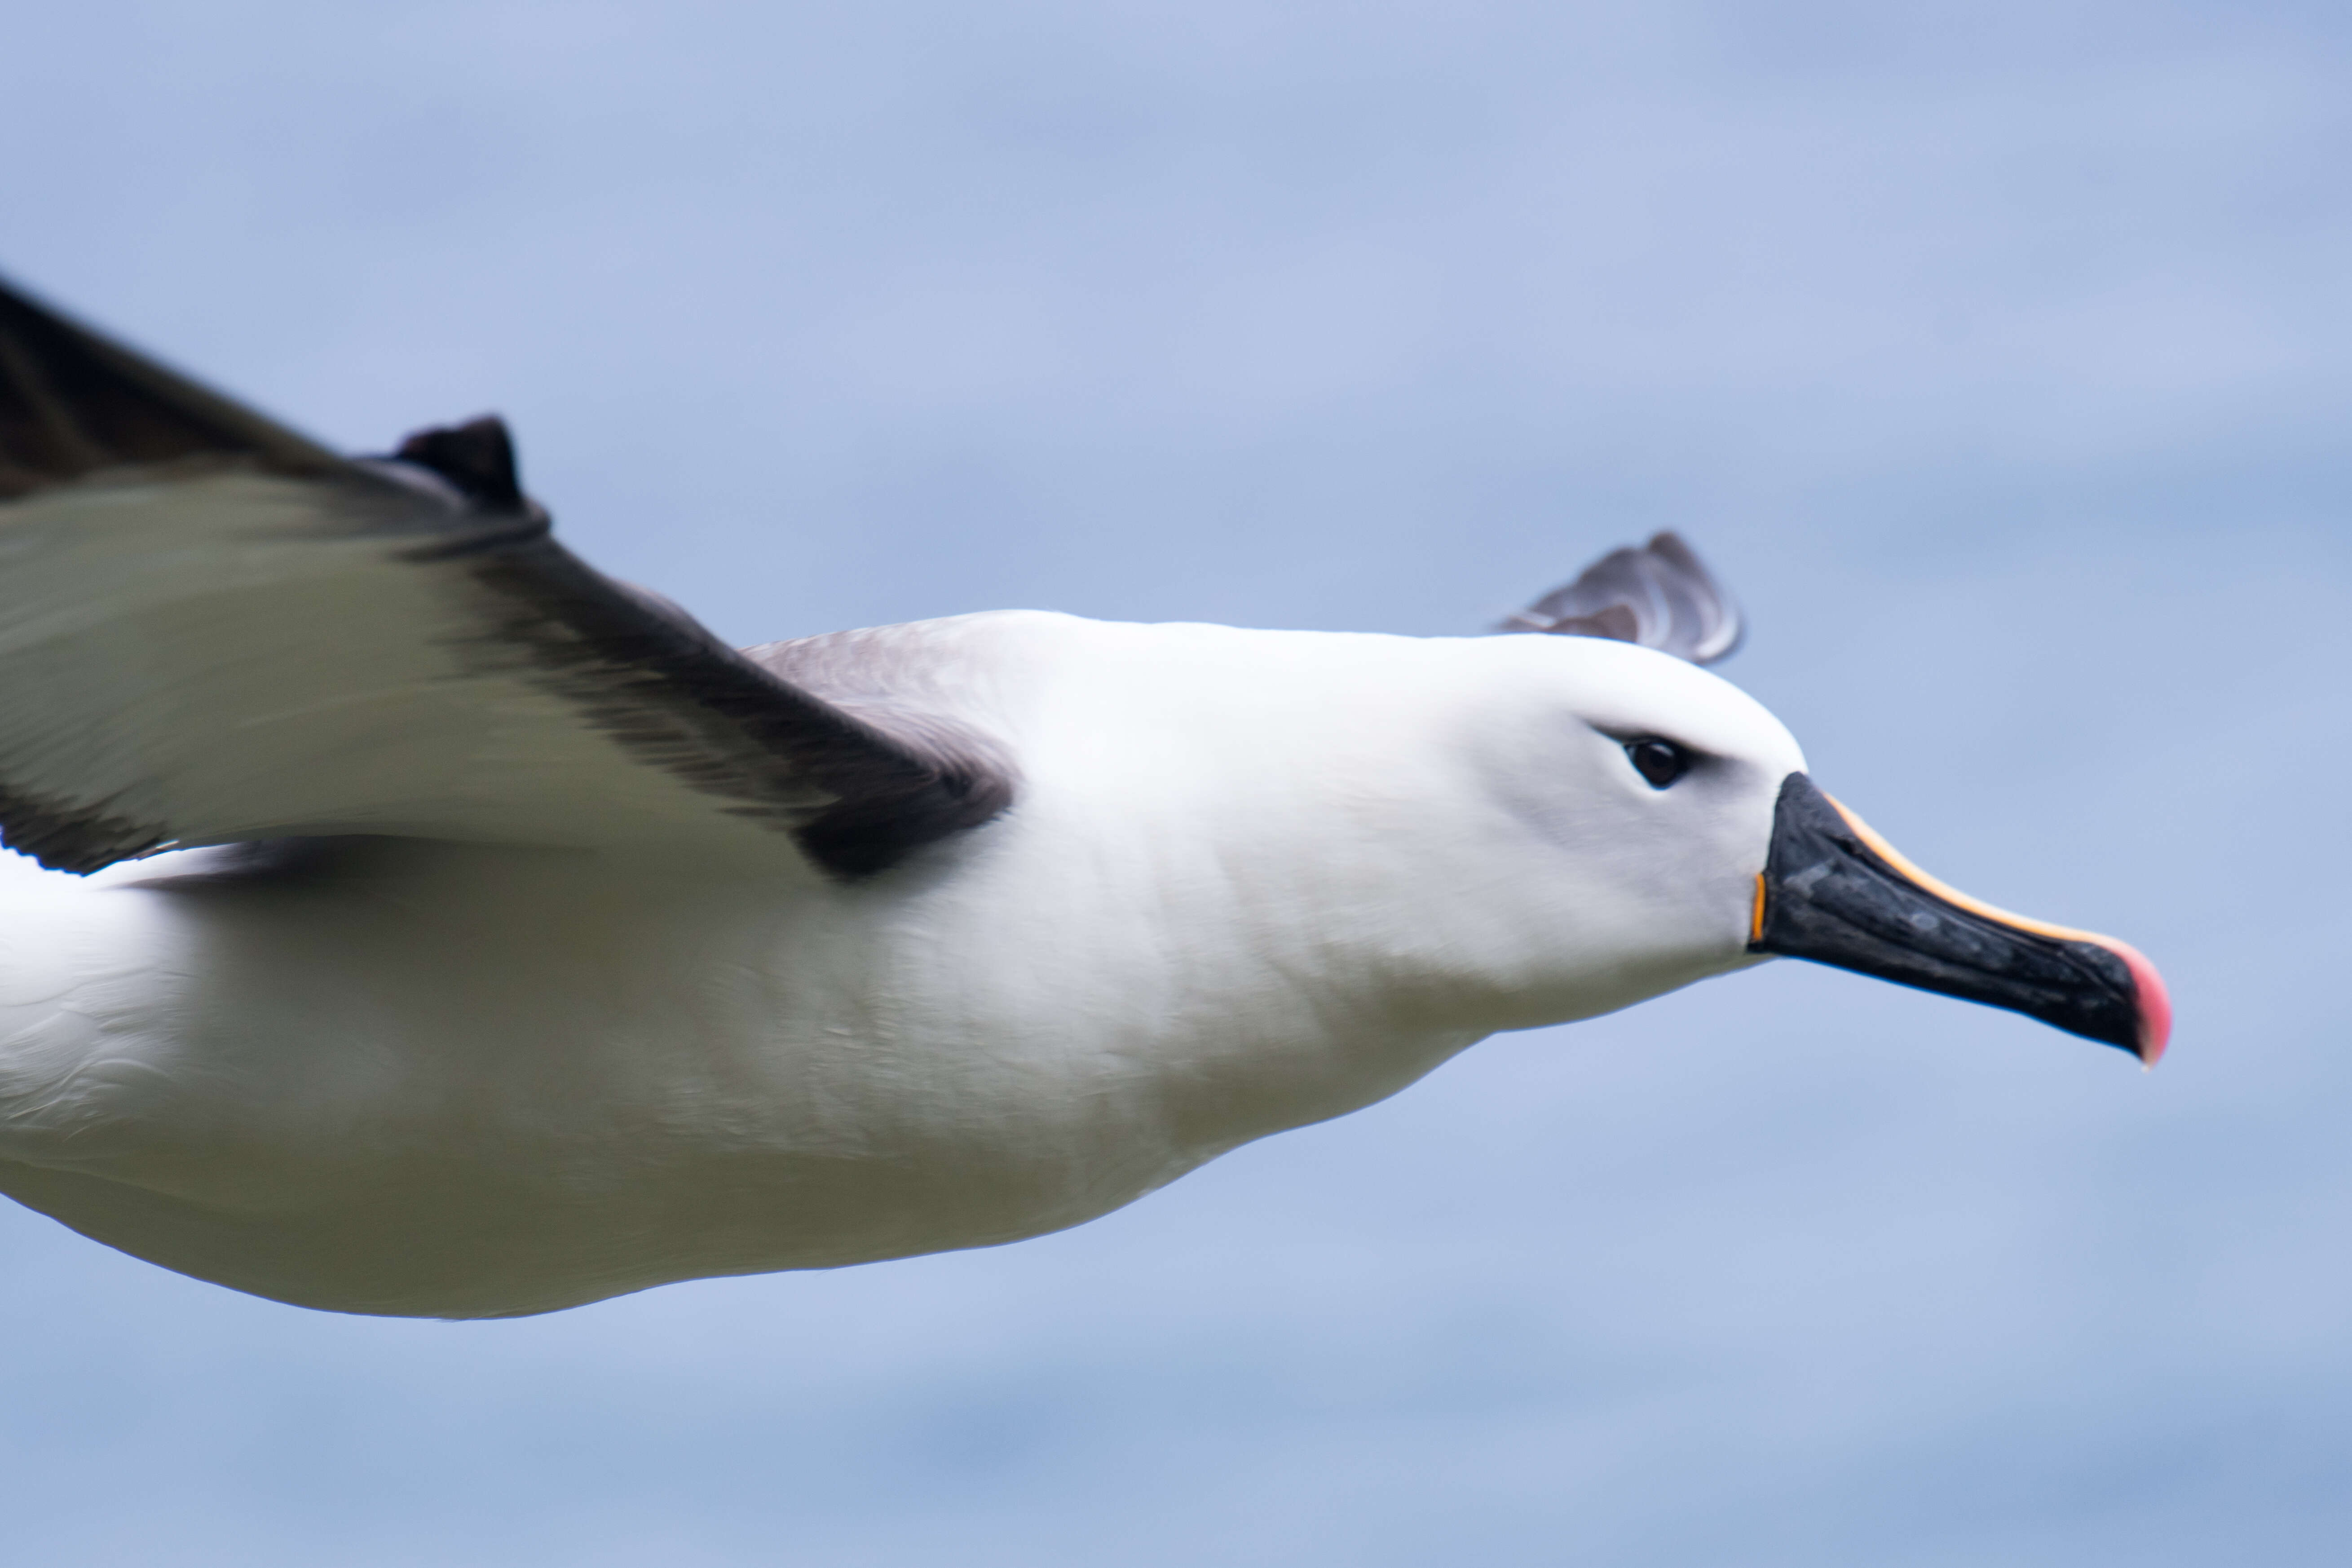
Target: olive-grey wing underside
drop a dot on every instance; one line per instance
(213, 630)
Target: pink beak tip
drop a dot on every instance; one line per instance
(2155, 1004)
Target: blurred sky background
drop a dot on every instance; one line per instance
(1997, 355)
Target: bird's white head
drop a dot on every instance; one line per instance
(1506, 832)
(1622, 805)
(1648, 824)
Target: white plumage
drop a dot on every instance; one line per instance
(1254, 879)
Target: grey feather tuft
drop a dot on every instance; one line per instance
(1659, 596)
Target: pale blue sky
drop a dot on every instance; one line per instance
(1998, 355)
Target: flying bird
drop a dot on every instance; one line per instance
(455, 932)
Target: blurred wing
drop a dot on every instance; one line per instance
(213, 630)
(1659, 596)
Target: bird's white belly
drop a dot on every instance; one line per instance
(539, 1090)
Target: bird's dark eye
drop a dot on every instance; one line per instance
(1660, 762)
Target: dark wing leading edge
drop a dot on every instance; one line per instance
(1659, 596)
(213, 630)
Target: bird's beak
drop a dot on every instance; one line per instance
(1837, 892)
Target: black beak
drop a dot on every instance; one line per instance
(1835, 892)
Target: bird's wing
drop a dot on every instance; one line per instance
(1659, 596)
(213, 630)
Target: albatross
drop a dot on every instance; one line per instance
(447, 930)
